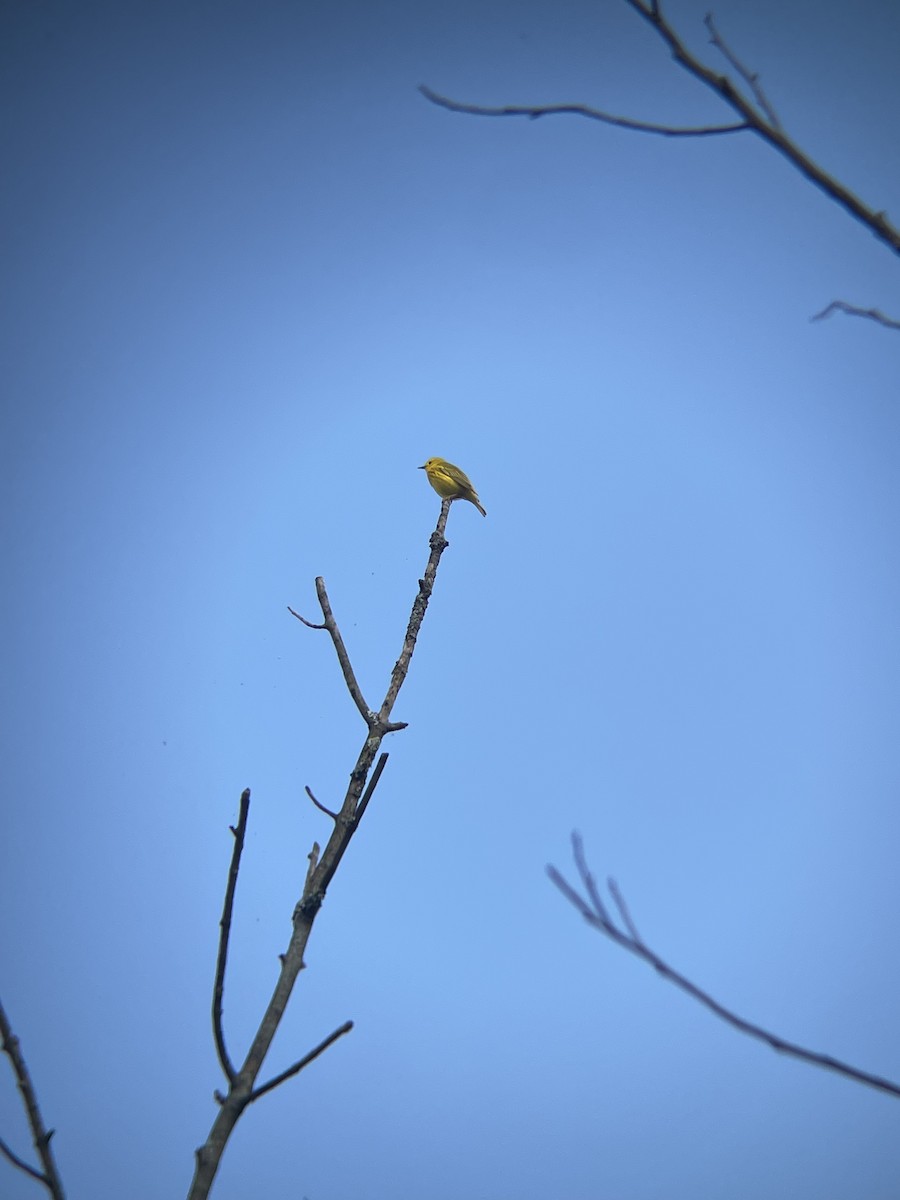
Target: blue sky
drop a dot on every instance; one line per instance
(252, 281)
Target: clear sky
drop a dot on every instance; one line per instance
(251, 281)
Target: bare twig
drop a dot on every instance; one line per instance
(321, 807)
(750, 77)
(534, 111)
(371, 786)
(343, 658)
(623, 910)
(308, 624)
(598, 917)
(40, 1135)
(755, 112)
(239, 833)
(873, 314)
(12, 1157)
(242, 1090)
(301, 1063)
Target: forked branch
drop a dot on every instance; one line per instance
(242, 1086)
(752, 107)
(40, 1134)
(591, 905)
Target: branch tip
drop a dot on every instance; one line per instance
(630, 940)
(321, 807)
(301, 1063)
(533, 111)
(853, 310)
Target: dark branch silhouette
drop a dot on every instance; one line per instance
(239, 833)
(853, 310)
(591, 906)
(40, 1134)
(301, 1063)
(321, 807)
(749, 77)
(534, 111)
(756, 115)
(242, 1086)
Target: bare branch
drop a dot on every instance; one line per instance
(590, 884)
(438, 544)
(301, 1063)
(623, 911)
(321, 807)
(756, 114)
(242, 1090)
(574, 898)
(40, 1135)
(750, 77)
(239, 833)
(533, 111)
(12, 1157)
(876, 222)
(308, 624)
(343, 657)
(873, 314)
(372, 785)
(597, 916)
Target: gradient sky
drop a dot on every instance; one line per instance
(251, 281)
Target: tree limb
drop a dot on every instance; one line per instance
(534, 111)
(40, 1135)
(242, 1089)
(771, 132)
(756, 113)
(239, 834)
(873, 314)
(591, 907)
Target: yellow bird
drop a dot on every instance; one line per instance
(450, 482)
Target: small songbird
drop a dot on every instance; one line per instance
(450, 482)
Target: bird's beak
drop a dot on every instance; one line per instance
(422, 468)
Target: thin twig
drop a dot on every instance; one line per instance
(534, 111)
(239, 833)
(40, 1134)
(873, 314)
(590, 884)
(11, 1155)
(301, 1063)
(308, 624)
(597, 916)
(748, 76)
(623, 910)
(372, 785)
(343, 657)
(321, 807)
